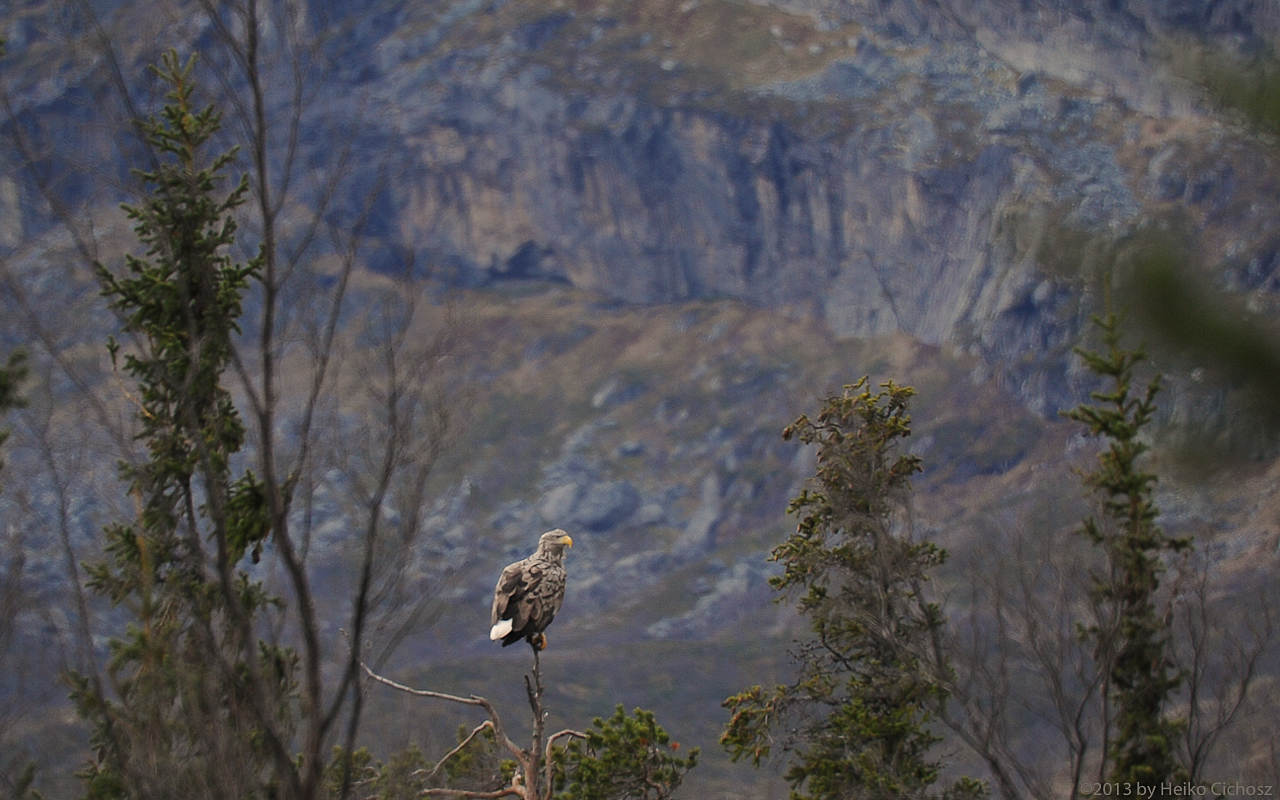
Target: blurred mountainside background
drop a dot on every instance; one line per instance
(884, 167)
(666, 228)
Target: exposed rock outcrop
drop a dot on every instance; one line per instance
(885, 166)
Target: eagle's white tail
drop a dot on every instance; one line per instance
(500, 630)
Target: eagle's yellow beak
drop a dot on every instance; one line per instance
(567, 540)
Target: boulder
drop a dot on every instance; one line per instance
(606, 505)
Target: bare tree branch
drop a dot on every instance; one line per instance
(527, 783)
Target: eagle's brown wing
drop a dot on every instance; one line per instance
(509, 596)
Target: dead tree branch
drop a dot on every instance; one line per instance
(532, 763)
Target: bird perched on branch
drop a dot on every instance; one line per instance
(530, 592)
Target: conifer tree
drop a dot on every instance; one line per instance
(866, 692)
(621, 758)
(1135, 649)
(195, 702)
(12, 374)
(19, 776)
(14, 370)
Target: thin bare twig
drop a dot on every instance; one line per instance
(483, 726)
(546, 760)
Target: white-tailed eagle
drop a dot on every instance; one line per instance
(530, 592)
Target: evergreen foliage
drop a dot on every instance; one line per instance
(11, 377)
(621, 758)
(403, 777)
(477, 765)
(866, 691)
(12, 374)
(14, 370)
(1141, 678)
(179, 719)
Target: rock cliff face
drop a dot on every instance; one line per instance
(675, 205)
(889, 167)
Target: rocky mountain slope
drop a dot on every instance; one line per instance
(889, 167)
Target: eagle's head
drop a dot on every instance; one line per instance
(554, 542)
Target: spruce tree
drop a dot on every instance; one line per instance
(867, 689)
(1135, 650)
(182, 716)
